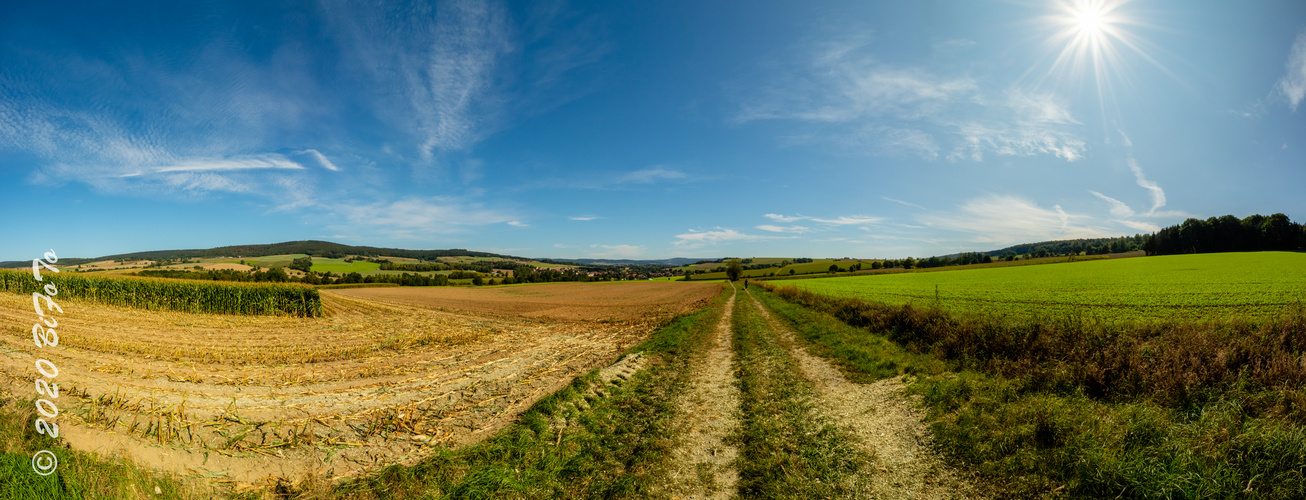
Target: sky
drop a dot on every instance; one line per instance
(643, 130)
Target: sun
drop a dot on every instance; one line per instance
(1089, 19)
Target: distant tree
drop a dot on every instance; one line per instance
(988, 259)
(303, 264)
(908, 263)
(791, 272)
(277, 274)
(834, 268)
(734, 270)
(478, 281)
(877, 265)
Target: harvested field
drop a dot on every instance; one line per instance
(253, 399)
(615, 301)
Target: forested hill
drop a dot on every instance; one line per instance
(314, 248)
(1090, 246)
(1216, 234)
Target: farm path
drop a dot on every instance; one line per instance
(885, 423)
(703, 463)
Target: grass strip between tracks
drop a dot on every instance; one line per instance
(787, 449)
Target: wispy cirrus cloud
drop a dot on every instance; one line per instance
(783, 229)
(1293, 83)
(651, 175)
(450, 74)
(1158, 194)
(416, 218)
(697, 238)
(837, 221)
(900, 202)
(784, 218)
(321, 159)
(845, 95)
(1007, 220)
(1118, 208)
(584, 218)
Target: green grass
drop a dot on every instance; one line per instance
(79, 474)
(267, 261)
(787, 449)
(1046, 432)
(1177, 287)
(339, 266)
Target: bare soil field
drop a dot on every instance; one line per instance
(611, 302)
(383, 378)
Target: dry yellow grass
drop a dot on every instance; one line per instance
(370, 384)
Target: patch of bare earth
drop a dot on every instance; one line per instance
(605, 301)
(886, 423)
(260, 399)
(702, 465)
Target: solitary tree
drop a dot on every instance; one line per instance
(734, 270)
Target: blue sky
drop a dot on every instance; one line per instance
(644, 129)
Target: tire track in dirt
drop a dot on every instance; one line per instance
(702, 465)
(886, 424)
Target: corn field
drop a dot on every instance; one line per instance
(174, 295)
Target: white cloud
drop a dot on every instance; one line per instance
(784, 218)
(1033, 124)
(515, 223)
(270, 161)
(848, 97)
(1293, 84)
(1158, 195)
(900, 202)
(617, 252)
(953, 44)
(848, 220)
(453, 73)
(696, 239)
(1118, 208)
(419, 217)
(1125, 137)
(651, 175)
(1007, 220)
(583, 218)
(783, 229)
(1141, 226)
(839, 221)
(321, 159)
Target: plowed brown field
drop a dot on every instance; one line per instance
(385, 376)
(609, 301)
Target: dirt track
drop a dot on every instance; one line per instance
(702, 465)
(886, 424)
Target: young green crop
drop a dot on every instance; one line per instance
(176, 295)
(1176, 287)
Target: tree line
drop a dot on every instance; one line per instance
(1229, 234)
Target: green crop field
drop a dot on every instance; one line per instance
(267, 261)
(173, 294)
(339, 266)
(1177, 287)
